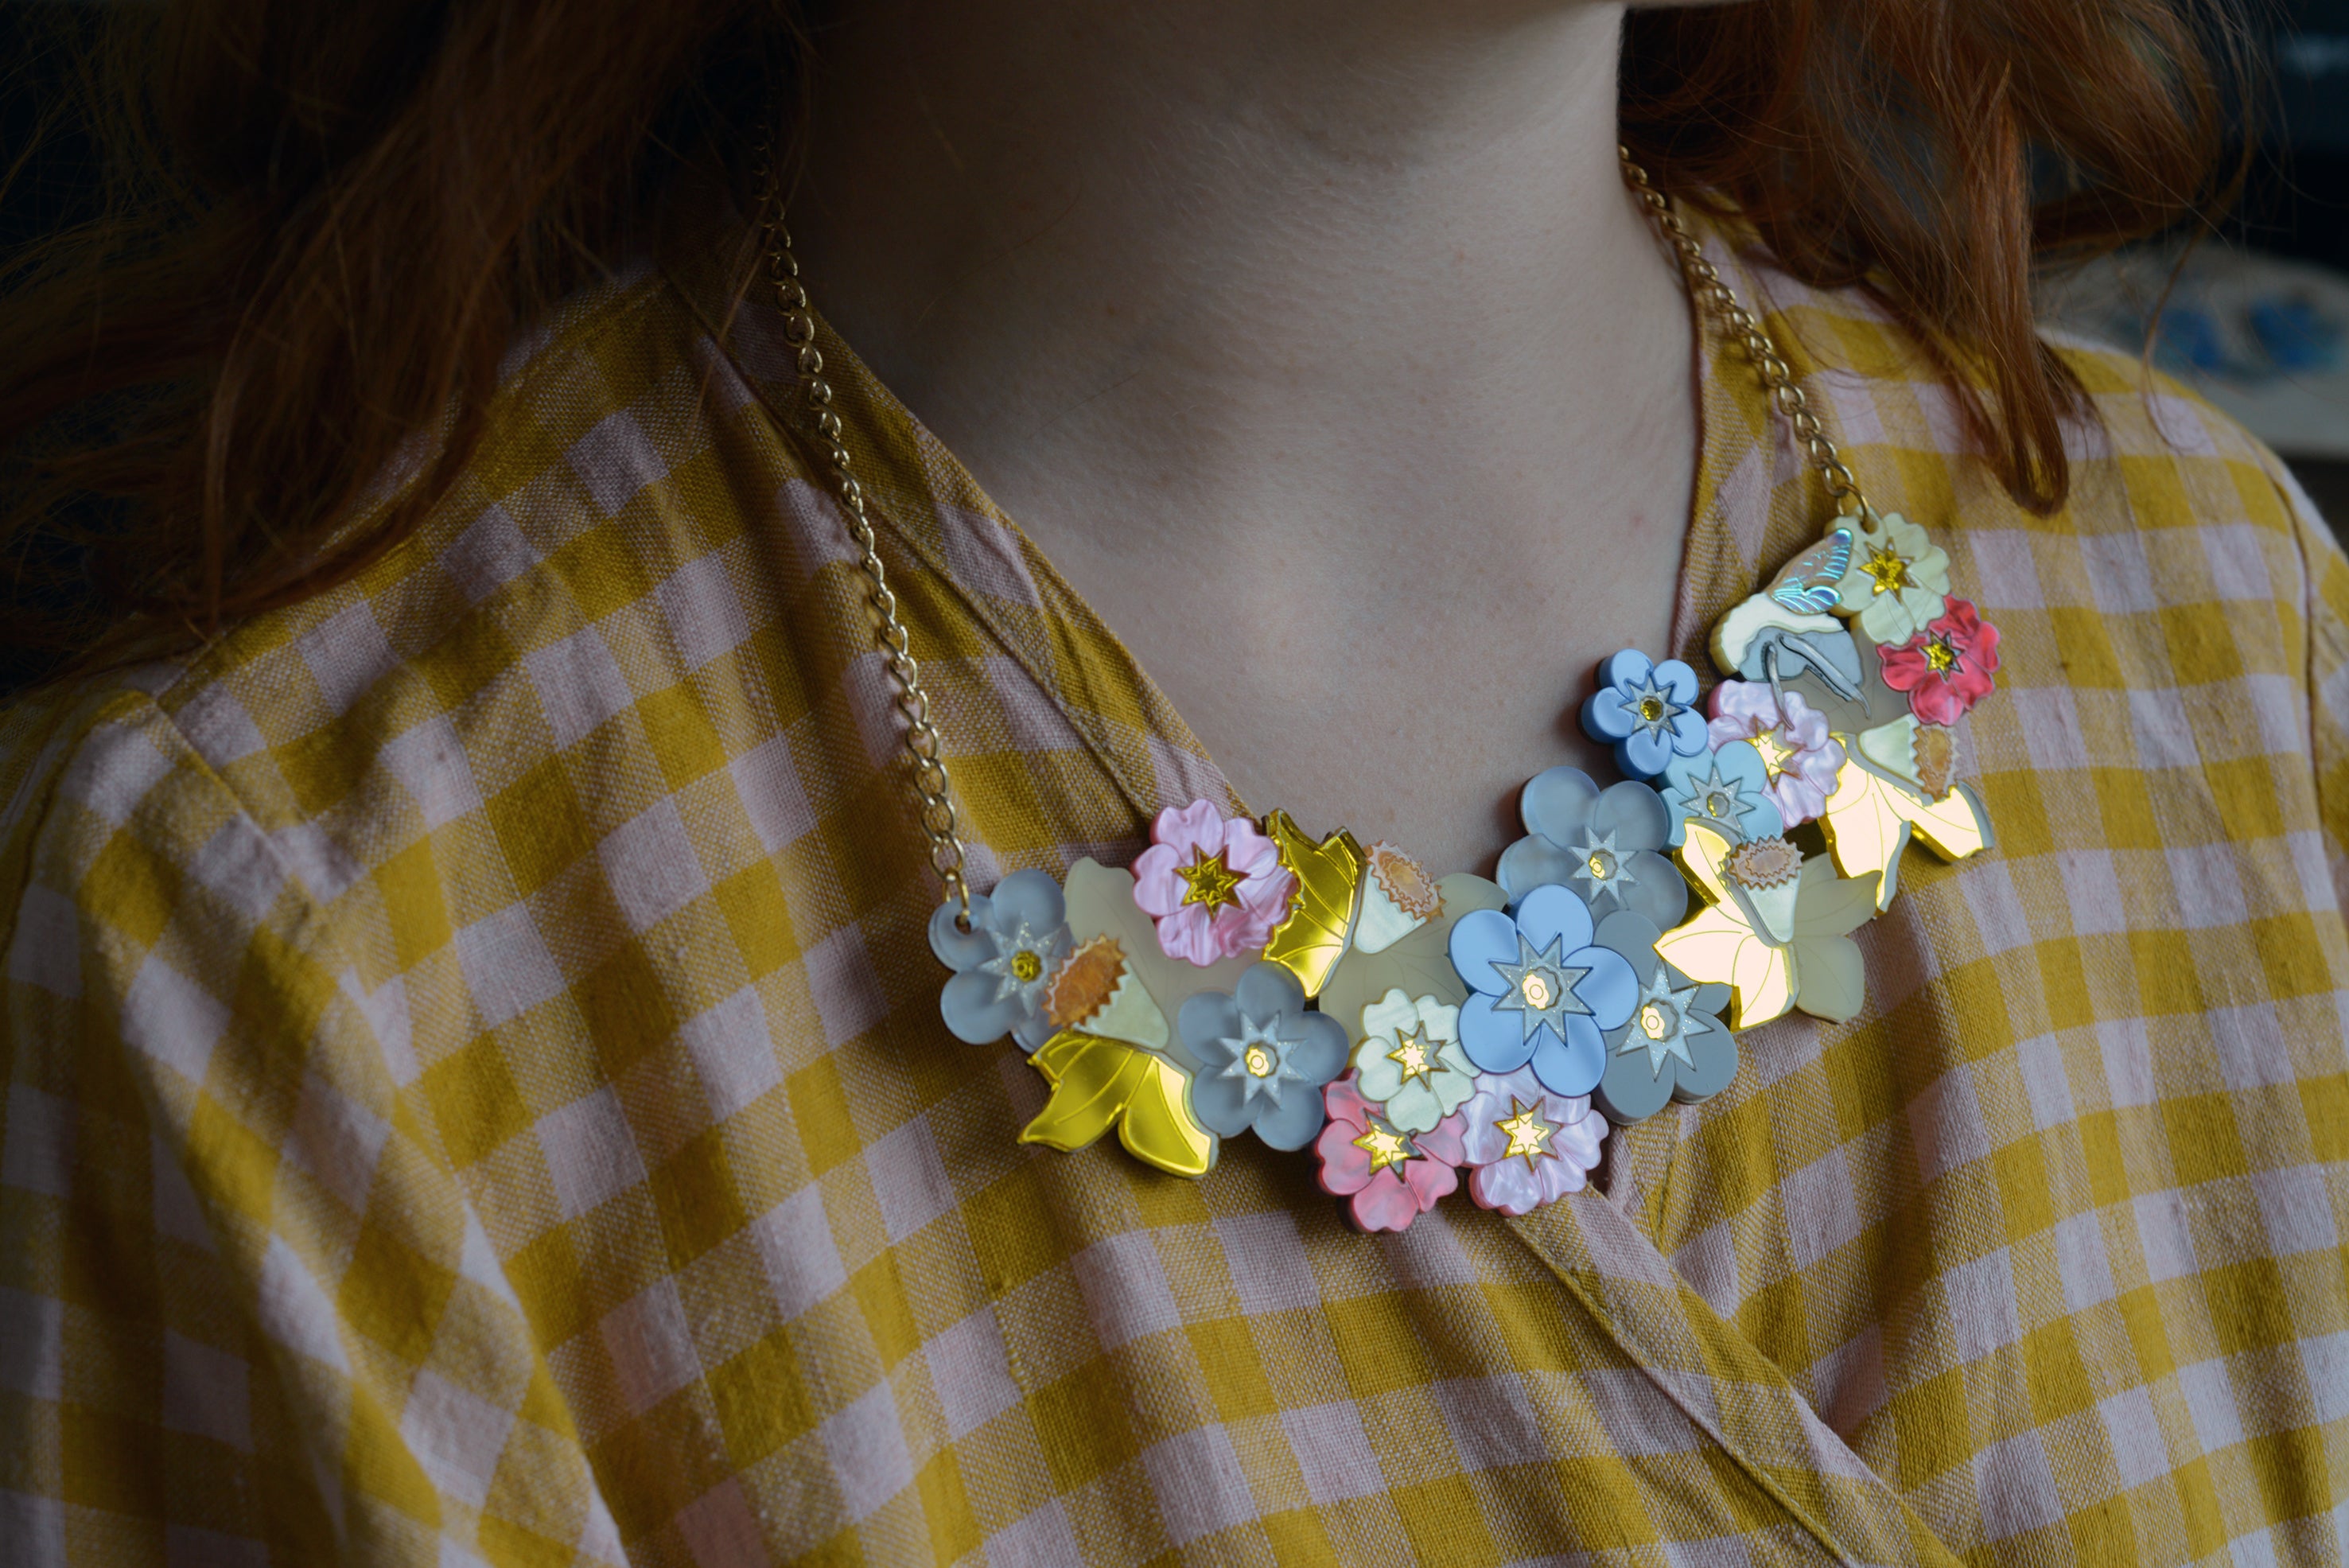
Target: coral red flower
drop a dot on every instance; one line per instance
(1388, 1177)
(1948, 667)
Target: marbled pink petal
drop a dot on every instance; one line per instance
(1157, 891)
(1386, 1204)
(1431, 1180)
(1751, 701)
(1509, 1186)
(1189, 935)
(1199, 825)
(1577, 1143)
(1250, 853)
(1805, 727)
(1345, 1169)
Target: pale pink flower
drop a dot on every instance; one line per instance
(1214, 885)
(1529, 1146)
(1802, 757)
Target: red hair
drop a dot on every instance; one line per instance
(338, 217)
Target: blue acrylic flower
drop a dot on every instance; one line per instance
(1542, 990)
(1674, 1046)
(1604, 843)
(1648, 710)
(1732, 787)
(1018, 936)
(1263, 1059)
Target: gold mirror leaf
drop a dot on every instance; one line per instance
(1871, 818)
(1719, 945)
(1098, 1084)
(1310, 941)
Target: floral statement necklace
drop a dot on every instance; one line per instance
(1245, 978)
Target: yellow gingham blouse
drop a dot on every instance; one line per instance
(474, 1090)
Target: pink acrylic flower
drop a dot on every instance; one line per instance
(1388, 1177)
(1529, 1146)
(1802, 758)
(1216, 886)
(1947, 668)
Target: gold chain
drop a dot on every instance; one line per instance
(1712, 294)
(923, 742)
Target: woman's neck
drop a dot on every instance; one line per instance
(1335, 307)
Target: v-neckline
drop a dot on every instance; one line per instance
(933, 509)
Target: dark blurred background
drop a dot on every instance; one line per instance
(2259, 322)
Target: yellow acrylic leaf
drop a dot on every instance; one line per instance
(1158, 1128)
(1869, 819)
(1098, 1084)
(1310, 942)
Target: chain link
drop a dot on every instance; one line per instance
(1714, 296)
(923, 742)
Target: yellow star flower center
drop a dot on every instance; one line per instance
(1209, 880)
(1411, 1054)
(1939, 656)
(1602, 865)
(1259, 1062)
(1654, 1024)
(1539, 988)
(1652, 710)
(1025, 966)
(1888, 570)
(1776, 754)
(1385, 1146)
(1529, 1135)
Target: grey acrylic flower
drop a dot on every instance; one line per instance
(1263, 1059)
(1018, 936)
(1603, 843)
(1674, 1046)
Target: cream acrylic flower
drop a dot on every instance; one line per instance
(1410, 1063)
(1898, 580)
(1775, 928)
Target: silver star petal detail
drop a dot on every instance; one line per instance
(1598, 851)
(1265, 1037)
(1548, 966)
(1671, 1013)
(1636, 698)
(1006, 955)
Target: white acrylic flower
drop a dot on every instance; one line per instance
(1410, 1060)
(1897, 582)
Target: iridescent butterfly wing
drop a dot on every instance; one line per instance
(1811, 583)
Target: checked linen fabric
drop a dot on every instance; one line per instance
(474, 1091)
